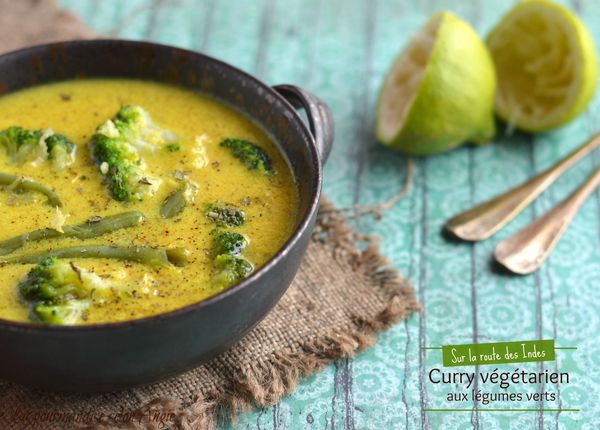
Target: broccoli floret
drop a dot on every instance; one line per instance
(23, 145)
(229, 265)
(252, 155)
(135, 125)
(230, 270)
(229, 242)
(120, 163)
(60, 151)
(60, 314)
(117, 146)
(225, 215)
(59, 292)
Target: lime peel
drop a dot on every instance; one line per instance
(439, 92)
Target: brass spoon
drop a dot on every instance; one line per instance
(525, 251)
(483, 220)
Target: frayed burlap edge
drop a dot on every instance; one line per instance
(265, 383)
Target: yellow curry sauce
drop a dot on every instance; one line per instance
(75, 109)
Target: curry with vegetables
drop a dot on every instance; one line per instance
(121, 199)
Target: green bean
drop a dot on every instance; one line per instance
(20, 183)
(155, 257)
(88, 229)
(174, 204)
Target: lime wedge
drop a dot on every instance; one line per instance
(439, 92)
(546, 65)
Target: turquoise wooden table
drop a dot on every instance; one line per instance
(340, 50)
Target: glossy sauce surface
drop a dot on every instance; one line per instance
(75, 109)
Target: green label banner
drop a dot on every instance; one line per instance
(498, 352)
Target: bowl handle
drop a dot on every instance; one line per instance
(320, 118)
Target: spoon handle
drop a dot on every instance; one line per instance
(483, 220)
(526, 250)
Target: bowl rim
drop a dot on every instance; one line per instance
(299, 231)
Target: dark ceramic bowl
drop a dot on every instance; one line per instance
(113, 356)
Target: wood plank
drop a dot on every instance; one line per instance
(382, 173)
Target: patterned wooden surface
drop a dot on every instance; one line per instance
(340, 49)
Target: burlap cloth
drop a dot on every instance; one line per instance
(340, 299)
